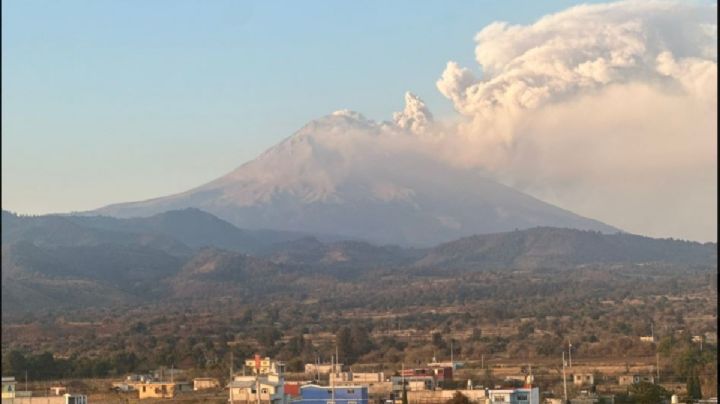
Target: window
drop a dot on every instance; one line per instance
(263, 391)
(522, 397)
(351, 391)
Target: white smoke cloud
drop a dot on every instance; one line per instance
(608, 110)
(416, 117)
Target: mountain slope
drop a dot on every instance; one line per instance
(175, 232)
(554, 247)
(344, 174)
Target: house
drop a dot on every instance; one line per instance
(64, 399)
(321, 368)
(139, 378)
(583, 379)
(292, 390)
(357, 378)
(648, 338)
(204, 383)
(627, 380)
(412, 383)
(368, 377)
(340, 377)
(183, 386)
(314, 394)
(124, 386)
(58, 390)
(263, 389)
(265, 365)
(157, 390)
(8, 387)
(592, 398)
(266, 386)
(442, 396)
(525, 395)
(451, 364)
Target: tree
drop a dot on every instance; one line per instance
(438, 341)
(525, 330)
(648, 393)
(14, 363)
(458, 398)
(693, 387)
(345, 345)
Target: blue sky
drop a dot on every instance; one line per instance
(110, 101)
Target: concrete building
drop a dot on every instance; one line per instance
(267, 385)
(442, 396)
(455, 365)
(204, 383)
(64, 399)
(591, 398)
(412, 383)
(356, 378)
(529, 395)
(58, 390)
(265, 365)
(8, 388)
(314, 394)
(157, 390)
(263, 389)
(627, 380)
(322, 368)
(583, 379)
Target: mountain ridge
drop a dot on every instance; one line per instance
(344, 174)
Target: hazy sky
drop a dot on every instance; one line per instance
(608, 111)
(108, 101)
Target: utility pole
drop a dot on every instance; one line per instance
(570, 352)
(232, 398)
(332, 379)
(402, 374)
(564, 380)
(257, 378)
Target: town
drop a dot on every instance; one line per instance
(263, 380)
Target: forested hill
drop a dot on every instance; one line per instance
(553, 247)
(161, 258)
